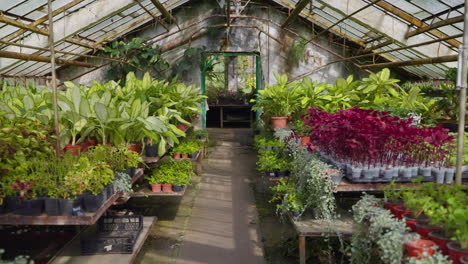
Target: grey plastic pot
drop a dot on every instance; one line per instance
(406, 172)
(395, 172)
(414, 172)
(425, 171)
(356, 173)
(367, 174)
(375, 172)
(388, 173)
(439, 174)
(449, 175)
(336, 178)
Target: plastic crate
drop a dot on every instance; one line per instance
(115, 235)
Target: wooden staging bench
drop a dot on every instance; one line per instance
(86, 219)
(71, 253)
(316, 228)
(222, 107)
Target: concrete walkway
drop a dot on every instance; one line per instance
(223, 225)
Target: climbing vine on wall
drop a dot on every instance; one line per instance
(134, 56)
(296, 51)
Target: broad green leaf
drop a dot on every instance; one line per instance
(101, 112)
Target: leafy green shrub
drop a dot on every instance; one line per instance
(186, 147)
(172, 172)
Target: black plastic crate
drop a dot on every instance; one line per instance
(115, 235)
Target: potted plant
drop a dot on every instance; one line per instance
(98, 175)
(164, 176)
(456, 219)
(279, 101)
(420, 248)
(28, 203)
(268, 162)
(184, 171)
(303, 131)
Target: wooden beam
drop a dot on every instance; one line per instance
(32, 57)
(415, 21)
(442, 59)
(164, 11)
(435, 25)
(37, 30)
(296, 11)
(378, 46)
(44, 18)
(17, 16)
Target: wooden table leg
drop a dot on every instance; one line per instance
(221, 116)
(302, 252)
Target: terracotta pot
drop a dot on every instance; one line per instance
(400, 210)
(176, 156)
(166, 188)
(182, 127)
(441, 240)
(74, 149)
(279, 121)
(417, 248)
(156, 187)
(412, 220)
(135, 147)
(185, 156)
(423, 230)
(456, 252)
(305, 140)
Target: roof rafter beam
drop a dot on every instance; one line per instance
(415, 21)
(442, 59)
(435, 25)
(33, 57)
(296, 11)
(164, 12)
(37, 30)
(378, 46)
(44, 18)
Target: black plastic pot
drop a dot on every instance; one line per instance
(177, 188)
(193, 155)
(110, 190)
(51, 206)
(11, 203)
(282, 173)
(131, 171)
(270, 174)
(92, 203)
(30, 207)
(70, 207)
(151, 150)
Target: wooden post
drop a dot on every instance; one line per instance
(435, 25)
(296, 11)
(54, 77)
(302, 249)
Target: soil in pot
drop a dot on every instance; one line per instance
(177, 188)
(51, 206)
(156, 187)
(400, 210)
(167, 188)
(70, 207)
(417, 248)
(30, 207)
(92, 203)
(279, 121)
(411, 220)
(305, 140)
(456, 252)
(74, 149)
(441, 240)
(423, 229)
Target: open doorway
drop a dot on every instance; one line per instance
(229, 80)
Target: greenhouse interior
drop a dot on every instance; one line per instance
(233, 131)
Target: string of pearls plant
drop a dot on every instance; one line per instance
(313, 186)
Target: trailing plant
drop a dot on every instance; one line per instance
(436, 258)
(123, 182)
